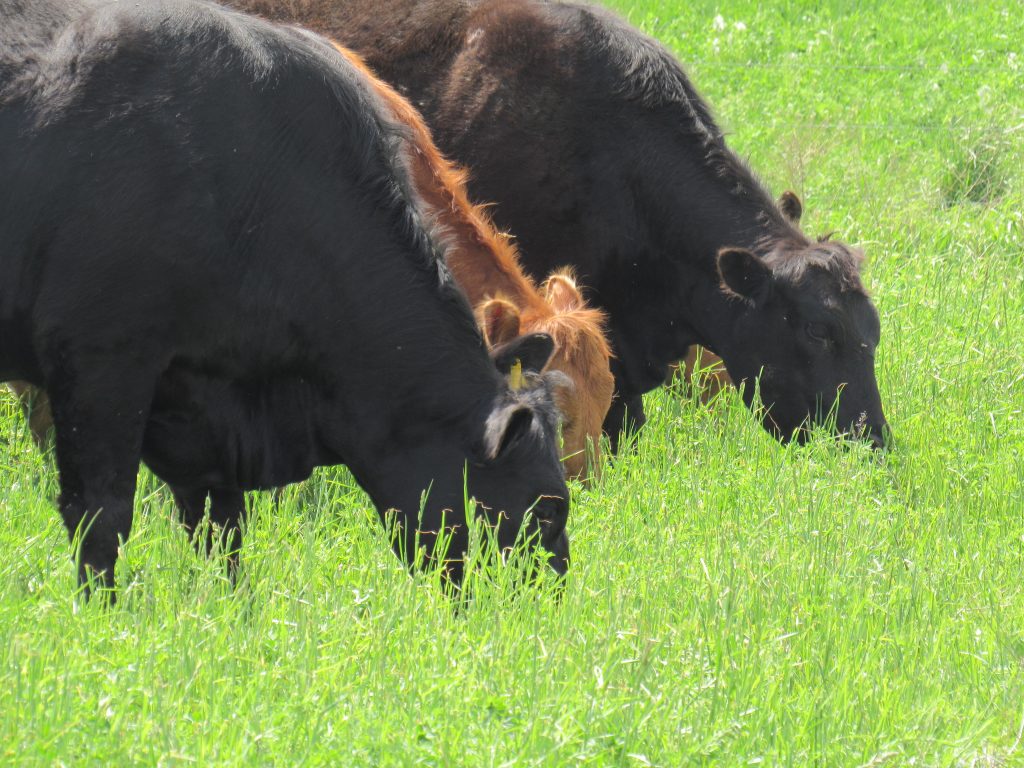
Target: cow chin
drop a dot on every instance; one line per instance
(781, 417)
(785, 419)
(797, 433)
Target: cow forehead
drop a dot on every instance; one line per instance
(831, 282)
(853, 311)
(863, 319)
(824, 268)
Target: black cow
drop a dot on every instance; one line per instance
(600, 154)
(210, 258)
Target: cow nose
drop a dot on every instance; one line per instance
(559, 554)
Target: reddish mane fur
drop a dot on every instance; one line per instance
(483, 260)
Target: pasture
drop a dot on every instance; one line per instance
(731, 601)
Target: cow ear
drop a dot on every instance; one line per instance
(791, 206)
(561, 292)
(745, 275)
(499, 320)
(530, 351)
(506, 425)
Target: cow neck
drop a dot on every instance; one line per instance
(482, 260)
(724, 205)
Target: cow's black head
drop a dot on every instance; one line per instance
(807, 331)
(518, 459)
(503, 455)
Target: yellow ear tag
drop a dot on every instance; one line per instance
(515, 375)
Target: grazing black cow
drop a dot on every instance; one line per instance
(600, 154)
(212, 260)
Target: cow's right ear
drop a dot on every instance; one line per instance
(744, 275)
(562, 292)
(499, 320)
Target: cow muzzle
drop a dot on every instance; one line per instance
(558, 558)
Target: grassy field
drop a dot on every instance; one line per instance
(732, 602)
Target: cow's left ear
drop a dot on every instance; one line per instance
(499, 319)
(532, 351)
(745, 275)
(791, 206)
(506, 425)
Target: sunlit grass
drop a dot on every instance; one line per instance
(731, 601)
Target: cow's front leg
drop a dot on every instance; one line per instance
(624, 419)
(100, 416)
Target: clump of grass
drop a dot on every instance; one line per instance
(977, 171)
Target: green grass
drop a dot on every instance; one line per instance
(732, 602)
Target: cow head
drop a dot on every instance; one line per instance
(518, 459)
(502, 453)
(807, 332)
(581, 353)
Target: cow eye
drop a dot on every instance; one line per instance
(818, 332)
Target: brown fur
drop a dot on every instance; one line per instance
(339, 21)
(485, 264)
(36, 405)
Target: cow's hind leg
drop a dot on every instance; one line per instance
(99, 415)
(36, 406)
(40, 420)
(227, 507)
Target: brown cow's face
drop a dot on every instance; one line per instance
(581, 353)
(807, 333)
(583, 402)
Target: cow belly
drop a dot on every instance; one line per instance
(208, 432)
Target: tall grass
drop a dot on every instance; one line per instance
(731, 601)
